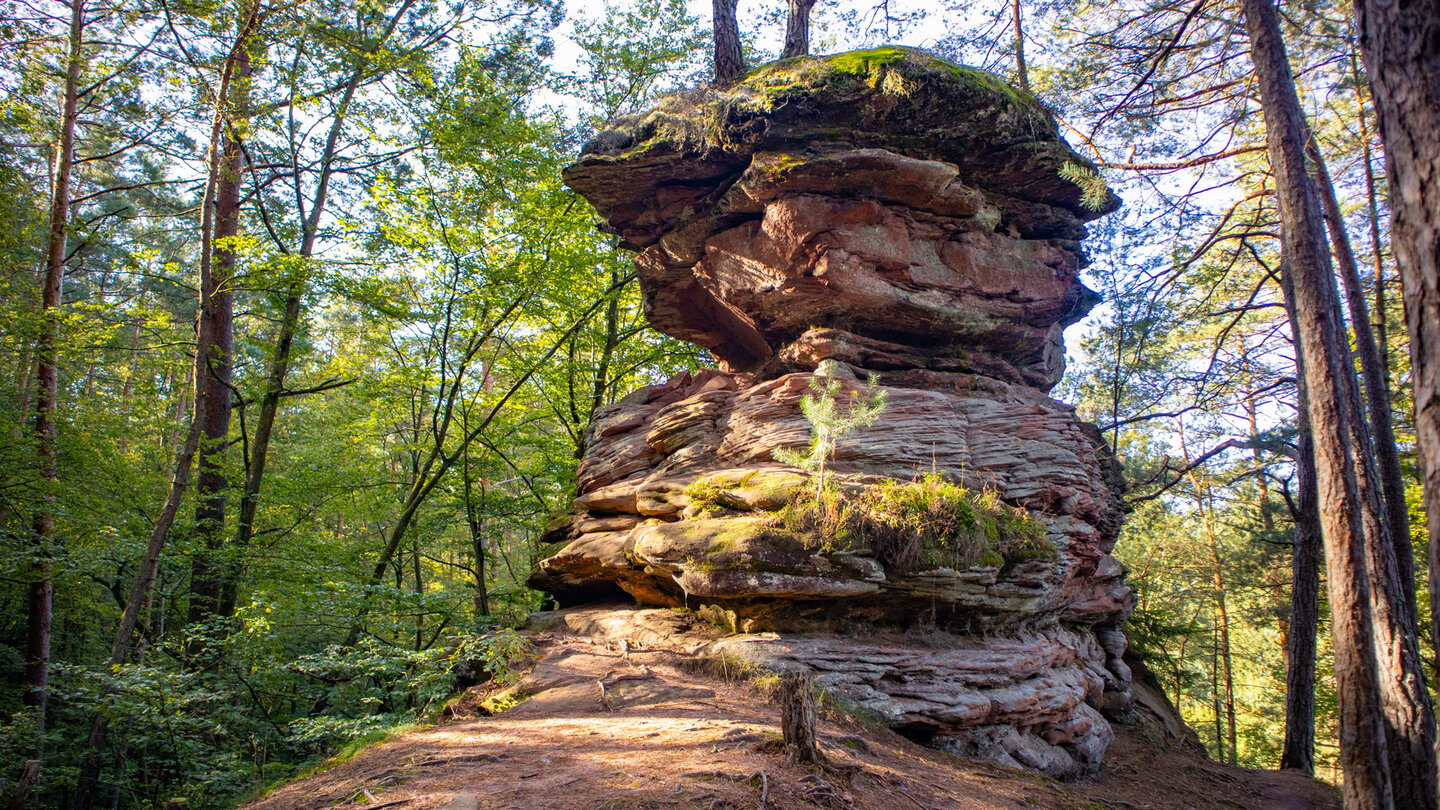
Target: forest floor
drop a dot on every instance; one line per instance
(667, 735)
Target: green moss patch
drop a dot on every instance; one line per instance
(927, 523)
(868, 60)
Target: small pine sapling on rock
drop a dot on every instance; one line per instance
(829, 422)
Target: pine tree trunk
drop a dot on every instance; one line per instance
(1401, 45)
(1225, 735)
(797, 28)
(1022, 74)
(1377, 252)
(140, 589)
(1377, 393)
(211, 575)
(1310, 294)
(41, 588)
(1298, 751)
(729, 61)
(1409, 715)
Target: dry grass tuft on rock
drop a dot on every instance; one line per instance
(927, 523)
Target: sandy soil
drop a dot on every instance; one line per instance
(668, 736)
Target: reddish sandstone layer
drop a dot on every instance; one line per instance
(884, 212)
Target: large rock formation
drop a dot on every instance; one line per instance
(877, 212)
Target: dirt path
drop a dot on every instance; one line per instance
(667, 737)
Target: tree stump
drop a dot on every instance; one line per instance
(797, 717)
(28, 777)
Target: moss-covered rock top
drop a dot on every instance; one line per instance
(1004, 141)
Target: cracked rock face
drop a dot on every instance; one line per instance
(878, 212)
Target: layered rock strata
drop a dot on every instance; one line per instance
(879, 212)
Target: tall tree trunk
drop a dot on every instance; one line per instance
(121, 647)
(797, 28)
(612, 342)
(1372, 197)
(1022, 75)
(1226, 733)
(1215, 712)
(729, 61)
(211, 575)
(140, 589)
(1298, 751)
(475, 520)
(419, 591)
(1401, 45)
(24, 365)
(1310, 294)
(1377, 392)
(258, 450)
(1252, 417)
(41, 589)
(1409, 714)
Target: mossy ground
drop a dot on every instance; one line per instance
(894, 68)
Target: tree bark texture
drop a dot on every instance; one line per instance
(729, 61)
(797, 28)
(1400, 42)
(797, 716)
(211, 575)
(1298, 751)
(1377, 390)
(1022, 74)
(1310, 293)
(47, 374)
(1409, 714)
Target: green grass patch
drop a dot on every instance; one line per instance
(704, 494)
(926, 523)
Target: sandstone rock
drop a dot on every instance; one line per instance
(880, 213)
(892, 193)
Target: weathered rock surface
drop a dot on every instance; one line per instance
(881, 212)
(886, 192)
(1031, 701)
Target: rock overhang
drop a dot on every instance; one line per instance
(887, 192)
